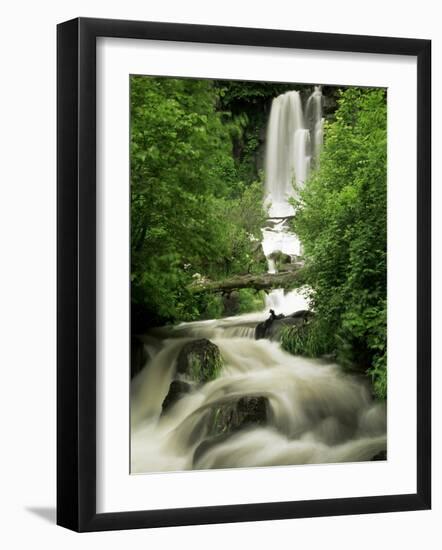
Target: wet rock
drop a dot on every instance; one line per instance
(303, 314)
(271, 328)
(138, 355)
(262, 329)
(281, 259)
(199, 360)
(228, 418)
(233, 416)
(177, 389)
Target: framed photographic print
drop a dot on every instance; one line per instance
(243, 274)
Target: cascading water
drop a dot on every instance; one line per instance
(315, 123)
(294, 141)
(314, 413)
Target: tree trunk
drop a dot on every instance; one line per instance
(263, 281)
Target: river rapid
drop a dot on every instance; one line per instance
(314, 411)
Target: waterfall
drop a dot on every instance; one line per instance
(314, 412)
(294, 140)
(315, 123)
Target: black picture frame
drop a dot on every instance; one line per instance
(76, 274)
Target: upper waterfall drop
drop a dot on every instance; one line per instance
(294, 141)
(315, 122)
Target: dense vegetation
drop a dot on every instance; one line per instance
(341, 221)
(196, 192)
(197, 149)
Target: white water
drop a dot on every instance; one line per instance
(315, 412)
(294, 141)
(315, 123)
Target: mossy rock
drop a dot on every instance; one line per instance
(177, 389)
(199, 360)
(281, 259)
(230, 417)
(235, 415)
(272, 327)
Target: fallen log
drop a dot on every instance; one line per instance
(290, 217)
(262, 281)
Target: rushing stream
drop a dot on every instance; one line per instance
(314, 412)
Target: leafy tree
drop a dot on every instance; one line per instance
(341, 221)
(190, 214)
(248, 104)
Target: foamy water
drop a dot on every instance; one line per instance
(315, 413)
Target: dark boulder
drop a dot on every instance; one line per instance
(271, 328)
(229, 418)
(303, 314)
(177, 389)
(235, 415)
(199, 360)
(262, 329)
(138, 355)
(280, 258)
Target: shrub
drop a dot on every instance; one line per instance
(341, 220)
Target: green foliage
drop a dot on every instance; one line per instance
(191, 215)
(242, 96)
(250, 300)
(310, 339)
(248, 106)
(236, 225)
(196, 196)
(205, 366)
(212, 307)
(341, 221)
